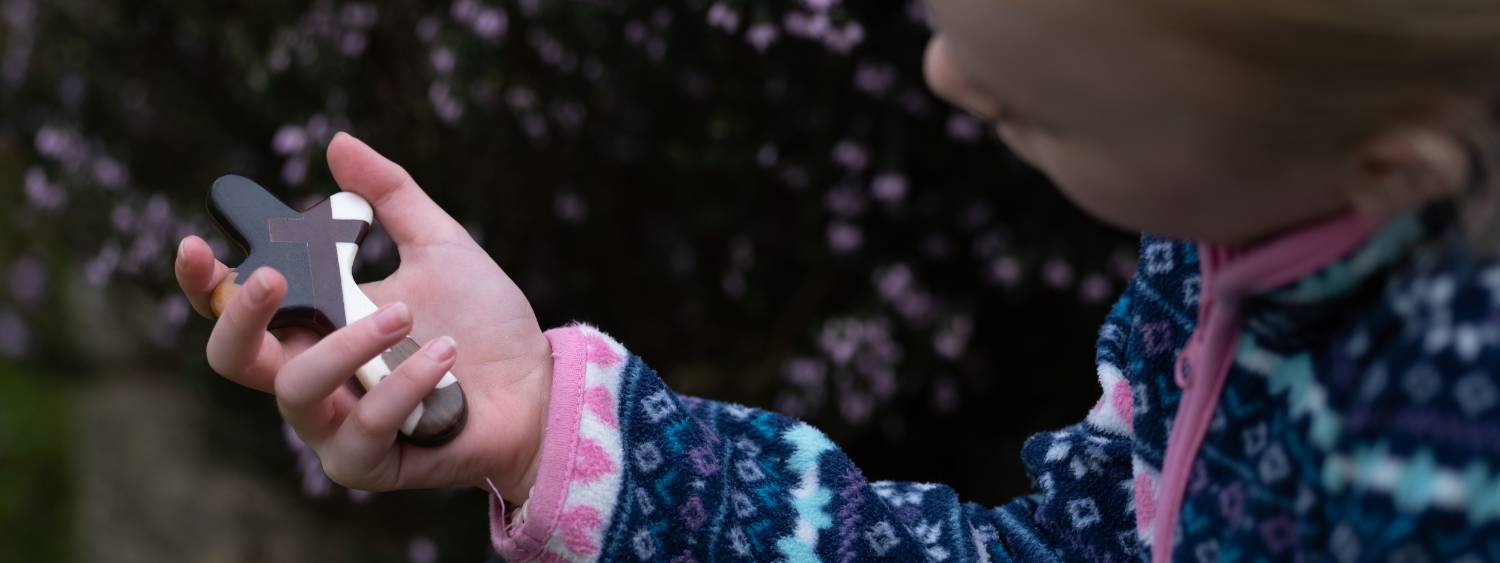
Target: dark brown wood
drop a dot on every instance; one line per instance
(300, 245)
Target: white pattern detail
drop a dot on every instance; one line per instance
(881, 537)
(658, 405)
(644, 544)
(1083, 513)
(1057, 451)
(1475, 393)
(749, 471)
(647, 457)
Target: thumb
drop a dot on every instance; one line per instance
(408, 214)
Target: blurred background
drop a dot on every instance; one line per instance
(759, 197)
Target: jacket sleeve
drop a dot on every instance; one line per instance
(631, 471)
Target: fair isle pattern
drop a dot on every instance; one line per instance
(808, 497)
(1360, 421)
(1342, 431)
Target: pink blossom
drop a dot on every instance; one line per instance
(635, 32)
(845, 201)
(569, 114)
(122, 217)
(1057, 274)
(1094, 289)
(28, 281)
(844, 238)
(806, 372)
(289, 139)
(963, 127)
(945, 395)
(807, 26)
(916, 307)
(359, 15)
(570, 208)
(444, 104)
(442, 60)
(856, 407)
(520, 98)
(171, 312)
(490, 24)
(41, 193)
(722, 16)
(989, 244)
(845, 40)
(315, 483)
(534, 125)
(790, 405)
(762, 35)
(98, 269)
(851, 155)
(767, 156)
(353, 43)
(465, 11)
(874, 78)
(953, 338)
(427, 29)
(889, 187)
(1006, 271)
(894, 281)
(294, 170)
(14, 337)
(819, 5)
(109, 173)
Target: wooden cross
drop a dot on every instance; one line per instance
(315, 250)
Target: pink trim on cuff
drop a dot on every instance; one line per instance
(527, 539)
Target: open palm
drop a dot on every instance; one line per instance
(451, 287)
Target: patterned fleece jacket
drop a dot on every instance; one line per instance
(1327, 395)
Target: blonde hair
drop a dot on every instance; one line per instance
(1340, 70)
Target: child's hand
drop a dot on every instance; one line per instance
(449, 287)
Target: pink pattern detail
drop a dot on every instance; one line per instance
(598, 400)
(577, 530)
(1123, 400)
(568, 457)
(1145, 501)
(600, 353)
(590, 461)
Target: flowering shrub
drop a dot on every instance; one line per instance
(760, 196)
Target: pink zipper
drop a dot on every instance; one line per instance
(1228, 276)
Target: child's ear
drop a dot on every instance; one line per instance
(1406, 167)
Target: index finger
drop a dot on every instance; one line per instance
(198, 273)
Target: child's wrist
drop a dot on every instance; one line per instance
(504, 479)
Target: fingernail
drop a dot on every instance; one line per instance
(260, 287)
(181, 251)
(440, 349)
(392, 319)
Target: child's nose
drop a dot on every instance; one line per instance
(950, 82)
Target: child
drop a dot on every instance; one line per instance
(1313, 378)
